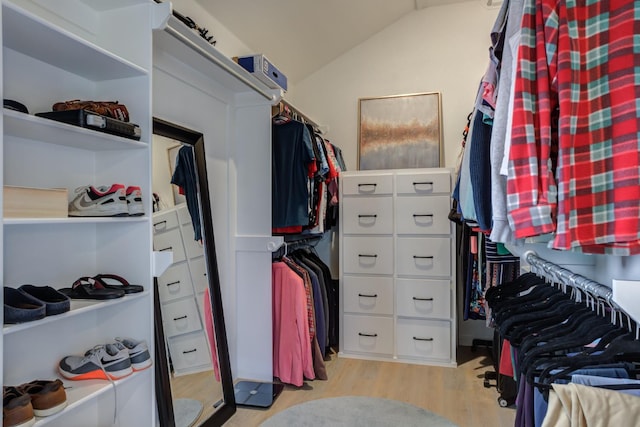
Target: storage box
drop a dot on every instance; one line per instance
(26, 202)
(264, 70)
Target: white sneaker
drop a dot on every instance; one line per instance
(134, 201)
(99, 201)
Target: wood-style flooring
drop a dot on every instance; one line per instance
(457, 394)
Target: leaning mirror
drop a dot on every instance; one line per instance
(194, 386)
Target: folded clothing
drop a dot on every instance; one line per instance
(55, 302)
(20, 307)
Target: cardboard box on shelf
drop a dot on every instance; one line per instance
(264, 70)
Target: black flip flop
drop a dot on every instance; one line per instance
(88, 288)
(121, 285)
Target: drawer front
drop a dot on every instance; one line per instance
(368, 295)
(368, 255)
(423, 298)
(170, 241)
(164, 221)
(183, 215)
(180, 317)
(189, 351)
(199, 274)
(192, 247)
(428, 256)
(424, 338)
(366, 185)
(367, 215)
(423, 183)
(368, 334)
(423, 215)
(175, 283)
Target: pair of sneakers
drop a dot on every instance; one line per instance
(38, 398)
(114, 200)
(107, 361)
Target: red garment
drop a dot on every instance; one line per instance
(211, 335)
(292, 357)
(506, 364)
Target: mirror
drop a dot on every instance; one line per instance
(194, 386)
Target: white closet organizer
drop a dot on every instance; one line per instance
(397, 266)
(57, 51)
(181, 290)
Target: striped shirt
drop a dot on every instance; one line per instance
(574, 159)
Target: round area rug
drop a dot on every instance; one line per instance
(186, 411)
(350, 411)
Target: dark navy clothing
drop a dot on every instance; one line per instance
(292, 151)
(185, 177)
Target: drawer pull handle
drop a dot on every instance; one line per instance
(422, 299)
(422, 339)
(368, 255)
(159, 223)
(421, 215)
(190, 351)
(177, 282)
(367, 185)
(367, 216)
(180, 318)
(368, 296)
(166, 249)
(423, 183)
(367, 335)
(423, 257)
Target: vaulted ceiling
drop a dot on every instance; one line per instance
(300, 36)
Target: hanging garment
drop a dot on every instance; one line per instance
(574, 164)
(185, 177)
(211, 335)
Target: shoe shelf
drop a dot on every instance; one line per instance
(36, 128)
(37, 38)
(78, 307)
(74, 220)
(86, 391)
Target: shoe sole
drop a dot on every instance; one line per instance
(28, 423)
(140, 366)
(97, 374)
(49, 411)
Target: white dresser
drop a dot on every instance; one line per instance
(397, 266)
(181, 290)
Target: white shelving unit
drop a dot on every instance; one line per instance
(57, 51)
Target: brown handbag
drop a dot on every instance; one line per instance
(105, 108)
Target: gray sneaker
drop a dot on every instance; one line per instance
(99, 201)
(138, 352)
(103, 362)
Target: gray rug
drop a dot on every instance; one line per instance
(186, 411)
(350, 411)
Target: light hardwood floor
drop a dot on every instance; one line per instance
(457, 394)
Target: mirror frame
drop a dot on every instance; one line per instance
(164, 398)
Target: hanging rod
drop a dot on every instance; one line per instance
(298, 112)
(567, 277)
(220, 63)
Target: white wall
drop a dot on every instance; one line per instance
(437, 49)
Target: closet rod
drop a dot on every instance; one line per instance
(554, 271)
(297, 111)
(226, 67)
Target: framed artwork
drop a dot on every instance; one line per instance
(400, 132)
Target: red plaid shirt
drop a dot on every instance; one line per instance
(577, 103)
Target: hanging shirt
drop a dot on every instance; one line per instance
(185, 177)
(576, 103)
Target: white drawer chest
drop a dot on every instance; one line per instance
(181, 291)
(397, 266)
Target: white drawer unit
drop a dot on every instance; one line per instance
(190, 353)
(368, 255)
(181, 286)
(172, 284)
(368, 215)
(368, 295)
(368, 334)
(424, 256)
(368, 184)
(397, 266)
(180, 317)
(170, 241)
(423, 298)
(424, 338)
(423, 215)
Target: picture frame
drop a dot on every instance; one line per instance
(400, 132)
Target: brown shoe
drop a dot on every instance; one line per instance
(47, 397)
(16, 408)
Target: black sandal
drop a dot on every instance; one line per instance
(88, 288)
(123, 284)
